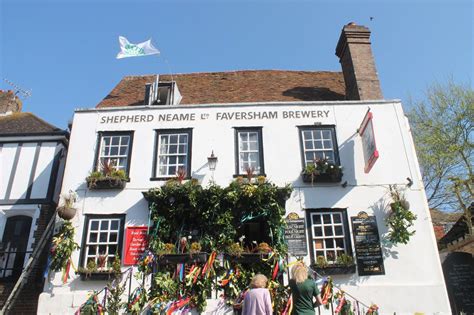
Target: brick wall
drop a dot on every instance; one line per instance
(27, 301)
(358, 65)
(9, 102)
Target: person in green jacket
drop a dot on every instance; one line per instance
(303, 290)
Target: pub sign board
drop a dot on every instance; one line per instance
(135, 244)
(366, 131)
(295, 235)
(367, 245)
(458, 269)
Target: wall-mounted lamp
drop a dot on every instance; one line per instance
(212, 161)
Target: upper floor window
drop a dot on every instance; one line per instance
(249, 151)
(173, 152)
(115, 150)
(319, 143)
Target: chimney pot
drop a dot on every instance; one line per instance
(357, 62)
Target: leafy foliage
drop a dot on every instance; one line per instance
(443, 125)
(211, 218)
(213, 215)
(400, 219)
(63, 247)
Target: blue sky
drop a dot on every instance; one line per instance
(64, 51)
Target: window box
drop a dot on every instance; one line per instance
(335, 269)
(182, 258)
(106, 183)
(246, 258)
(85, 275)
(321, 178)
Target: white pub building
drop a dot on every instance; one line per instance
(276, 123)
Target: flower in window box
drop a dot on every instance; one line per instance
(195, 248)
(107, 178)
(322, 170)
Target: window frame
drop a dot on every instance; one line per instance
(345, 227)
(259, 132)
(158, 132)
(332, 128)
(120, 237)
(101, 134)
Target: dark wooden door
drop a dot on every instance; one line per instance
(15, 240)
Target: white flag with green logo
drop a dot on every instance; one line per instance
(128, 49)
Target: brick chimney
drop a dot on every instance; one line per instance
(358, 65)
(9, 102)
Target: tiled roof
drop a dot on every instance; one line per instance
(236, 87)
(26, 124)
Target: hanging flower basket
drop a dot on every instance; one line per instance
(66, 213)
(335, 269)
(170, 259)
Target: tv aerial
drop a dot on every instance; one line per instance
(18, 90)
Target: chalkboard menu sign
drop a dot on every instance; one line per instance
(458, 269)
(367, 245)
(295, 235)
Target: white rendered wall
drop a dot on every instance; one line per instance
(413, 281)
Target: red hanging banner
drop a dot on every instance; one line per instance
(135, 244)
(366, 131)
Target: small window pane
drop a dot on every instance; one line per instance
(113, 237)
(103, 237)
(327, 218)
(174, 139)
(336, 217)
(318, 145)
(316, 219)
(328, 231)
(94, 225)
(102, 249)
(92, 250)
(173, 149)
(115, 140)
(93, 237)
(125, 140)
(112, 249)
(309, 144)
(114, 225)
(338, 230)
(183, 139)
(104, 225)
(326, 134)
(318, 231)
(318, 244)
(329, 243)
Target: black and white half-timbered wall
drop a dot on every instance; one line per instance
(32, 160)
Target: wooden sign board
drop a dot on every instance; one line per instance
(135, 244)
(366, 131)
(295, 235)
(367, 245)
